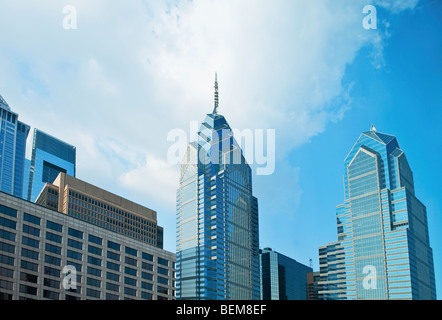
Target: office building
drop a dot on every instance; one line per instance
(383, 249)
(282, 278)
(13, 135)
(50, 156)
(46, 254)
(102, 208)
(217, 218)
(313, 286)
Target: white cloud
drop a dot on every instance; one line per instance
(131, 72)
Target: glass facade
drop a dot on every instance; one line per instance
(282, 278)
(217, 219)
(383, 249)
(39, 245)
(13, 135)
(50, 156)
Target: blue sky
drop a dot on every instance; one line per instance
(132, 72)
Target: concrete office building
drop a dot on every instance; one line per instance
(46, 254)
(102, 208)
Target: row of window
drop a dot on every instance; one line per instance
(72, 232)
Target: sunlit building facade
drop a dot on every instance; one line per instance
(217, 218)
(383, 249)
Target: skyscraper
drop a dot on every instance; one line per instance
(50, 156)
(13, 134)
(283, 278)
(383, 249)
(217, 217)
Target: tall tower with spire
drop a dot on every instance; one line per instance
(217, 217)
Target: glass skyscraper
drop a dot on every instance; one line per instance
(283, 278)
(50, 156)
(217, 218)
(383, 249)
(13, 135)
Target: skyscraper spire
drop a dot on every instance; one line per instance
(215, 109)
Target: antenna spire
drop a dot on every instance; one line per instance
(215, 109)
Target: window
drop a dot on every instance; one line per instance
(131, 261)
(147, 266)
(53, 237)
(147, 256)
(29, 254)
(131, 251)
(28, 277)
(28, 289)
(7, 223)
(94, 261)
(6, 260)
(163, 271)
(50, 295)
(53, 260)
(163, 262)
(53, 249)
(8, 211)
(32, 219)
(147, 286)
(94, 250)
(75, 233)
(51, 283)
(5, 247)
(31, 230)
(113, 255)
(94, 271)
(112, 287)
(130, 281)
(95, 240)
(74, 255)
(146, 276)
(29, 265)
(51, 271)
(130, 291)
(54, 226)
(113, 245)
(113, 266)
(75, 244)
(93, 282)
(7, 235)
(130, 271)
(92, 293)
(112, 276)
